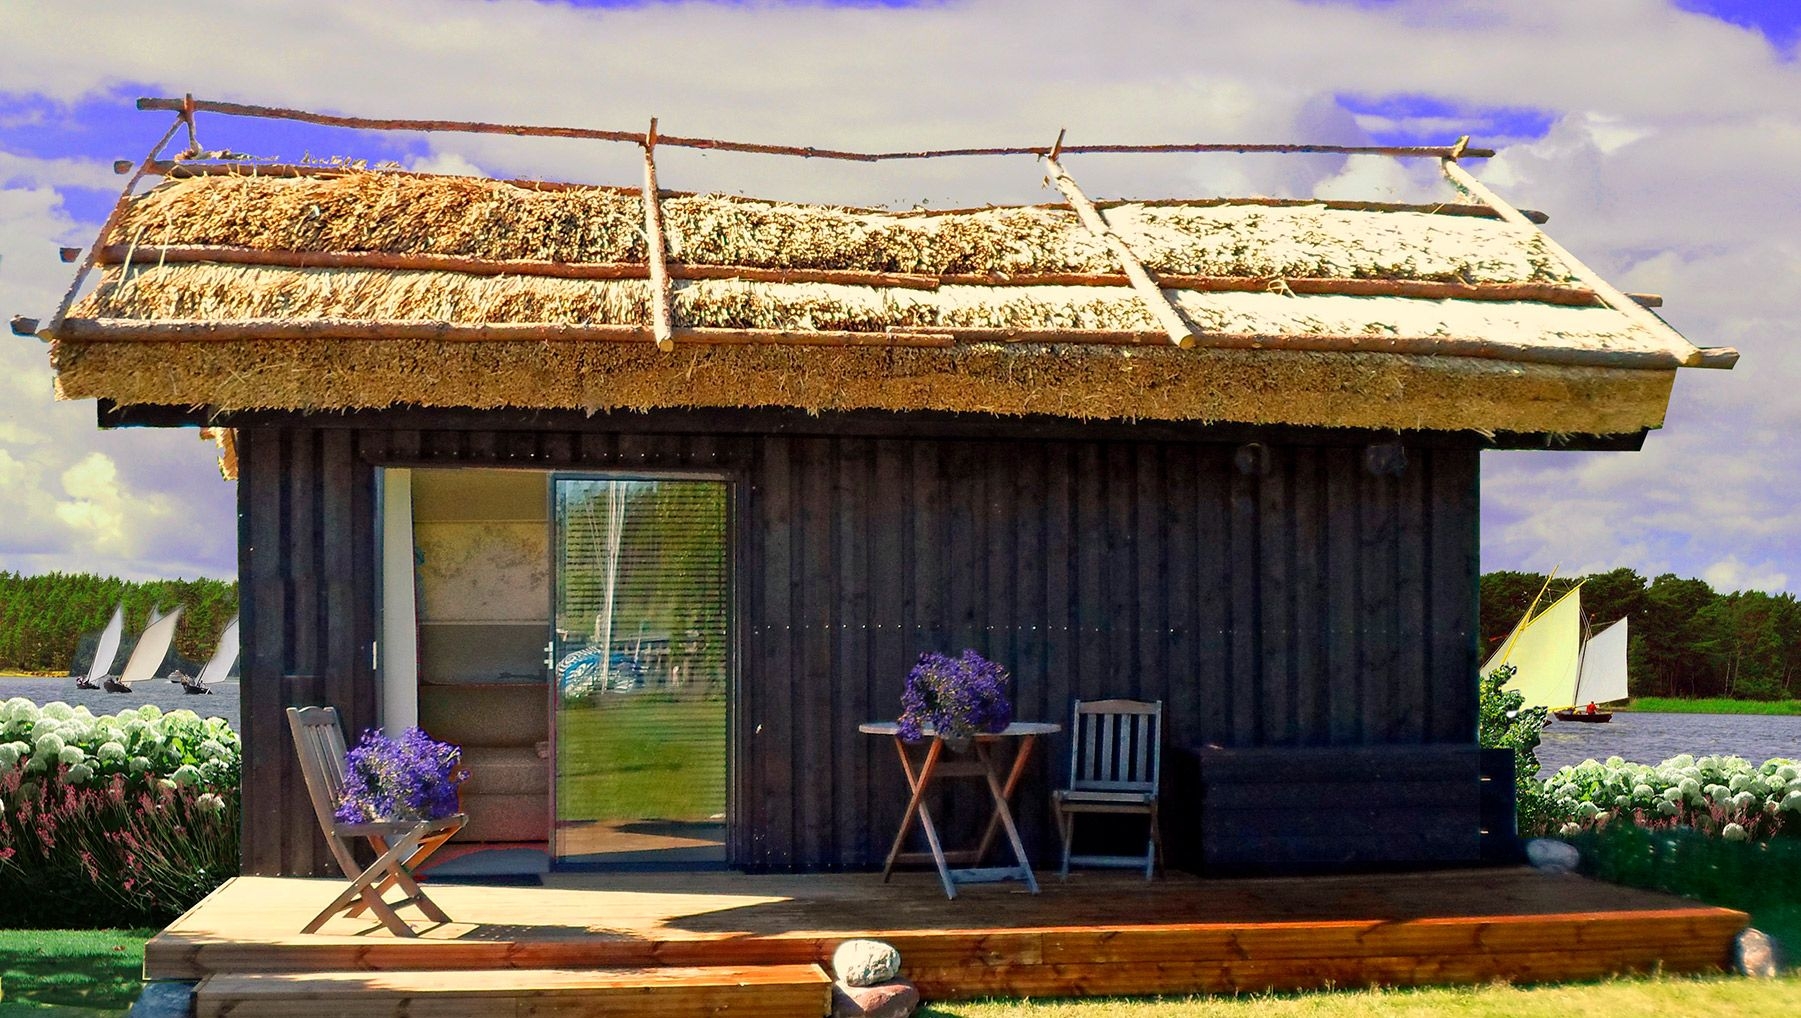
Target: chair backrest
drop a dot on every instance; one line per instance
(1118, 745)
(319, 740)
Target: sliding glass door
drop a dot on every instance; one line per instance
(641, 595)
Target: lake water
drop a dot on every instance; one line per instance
(1645, 737)
(165, 694)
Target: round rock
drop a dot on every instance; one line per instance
(1755, 954)
(1552, 856)
(888, 1000)
(865, 962)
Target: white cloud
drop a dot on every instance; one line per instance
(1729, 574)
(94, 508)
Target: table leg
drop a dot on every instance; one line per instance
(919, 783)
(1014, 775)
(1005, 815)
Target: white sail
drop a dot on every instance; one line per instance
(223, 656)
(1546, 654)
(156, 615)
(152, 647)
(1499, 657)
(108, 648)
(1603, 676)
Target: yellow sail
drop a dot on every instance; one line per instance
(1546, 654)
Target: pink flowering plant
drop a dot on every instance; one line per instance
(955, 696)
(414, 777)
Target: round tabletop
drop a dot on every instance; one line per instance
(1014, 730)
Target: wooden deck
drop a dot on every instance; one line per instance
(1097, 934)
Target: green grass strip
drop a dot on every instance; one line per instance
(44, 971)
(1712, 705)
(1648, 997)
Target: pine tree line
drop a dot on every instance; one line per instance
(42, 618)
(1684, 638)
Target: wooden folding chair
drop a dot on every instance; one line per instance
(401, 845)
(1113, 768)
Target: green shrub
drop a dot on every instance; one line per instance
(1505, 722)
(1726, 796)
(115, 820)
(1762, 878)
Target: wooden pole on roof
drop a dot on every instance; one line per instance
(662, 292)
(804, 151)
(1686, 353)
(112, 219)
(1155, 300)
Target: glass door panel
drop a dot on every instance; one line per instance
(641, 648)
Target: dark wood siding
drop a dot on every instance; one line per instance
(1287, 596)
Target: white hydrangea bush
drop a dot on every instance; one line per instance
(136, 742)
(1724, 795)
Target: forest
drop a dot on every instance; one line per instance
(1686, 639)
(42, 618)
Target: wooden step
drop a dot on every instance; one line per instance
(791, 991)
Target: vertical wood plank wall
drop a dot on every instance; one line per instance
(1307, 602)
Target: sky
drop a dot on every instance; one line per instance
(1663, 138)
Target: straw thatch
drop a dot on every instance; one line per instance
(226, 293)
(1538, 390)
(494, 219)
(1085, 382)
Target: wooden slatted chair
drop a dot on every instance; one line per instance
(400, 845)
(1114, 766)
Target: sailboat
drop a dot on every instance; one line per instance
(218, 666)
(148, 655)
(104, 652)
(1558, 667)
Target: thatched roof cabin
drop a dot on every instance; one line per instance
(1224, 454)
(332, 290)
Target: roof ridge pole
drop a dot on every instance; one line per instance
(662, 293)
(1686, 353)
(1155, 300)
(112, 219)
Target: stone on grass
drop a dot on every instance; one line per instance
(1552, 856)
(1755, 954)
(887, 1000)
(164, 998)
(865, 963)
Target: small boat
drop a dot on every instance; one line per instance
(217, 667)
(148, 655)
(104, 652)
(1557, 666)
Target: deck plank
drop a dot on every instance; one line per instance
(1097, 933)
(790, 990)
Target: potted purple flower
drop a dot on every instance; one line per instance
(414, 777)
(957, 697)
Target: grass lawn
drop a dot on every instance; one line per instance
(70, 973)
(635, 756)
(1650, 997)
(1713, 705)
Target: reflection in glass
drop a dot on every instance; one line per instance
(641, 652)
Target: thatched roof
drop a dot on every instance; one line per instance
(333, 290)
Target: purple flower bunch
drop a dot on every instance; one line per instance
(956, 696)
(414, 777)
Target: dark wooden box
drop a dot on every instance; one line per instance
(1321, 809)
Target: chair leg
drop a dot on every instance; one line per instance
(364, 887)
(1156, 846)
(1067, 820)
